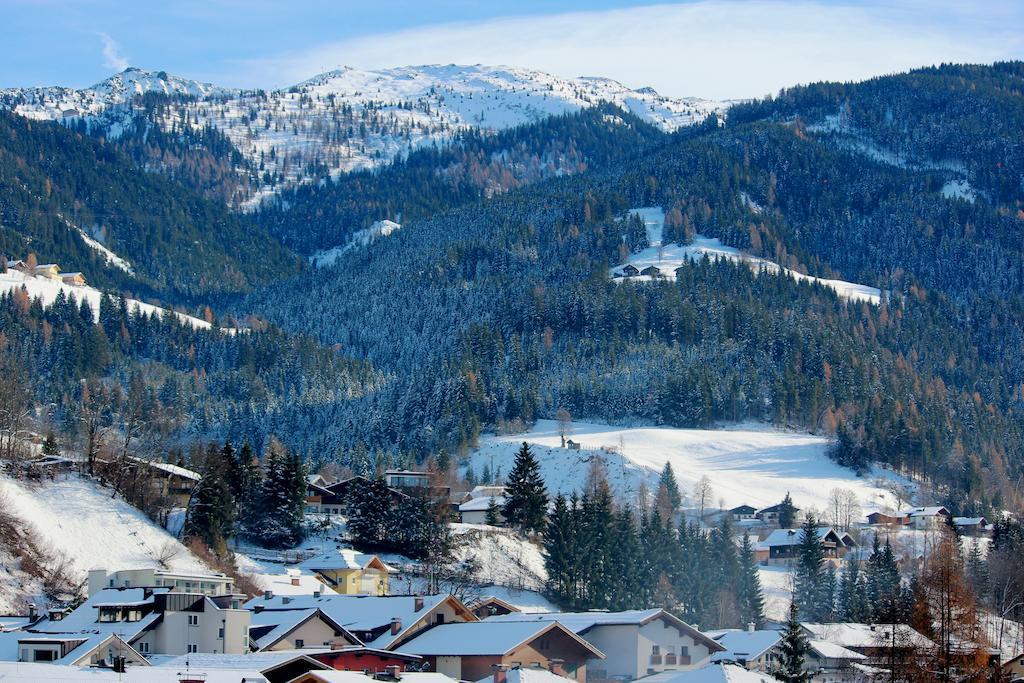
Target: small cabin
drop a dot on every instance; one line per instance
(572, 445)
(743, 512)
(50, 271)
(629, 270)
(73, 279)
(652, 271)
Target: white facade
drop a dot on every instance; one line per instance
(182, 582)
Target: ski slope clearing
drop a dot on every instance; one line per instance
(43, 288)
(746, 464)
(360, 238)
(669, 257)
(77, 520)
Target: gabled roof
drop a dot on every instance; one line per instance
(268, 628)
(581, 622)
(775, 508)
(492, 637)
(970, 521)
(855, 635)
(929, 511)
(745, 645)
(791, 537)
(827, 650)
(491, 600)
(361, 613)
(744, 509)
(481, 503)
(345, 558)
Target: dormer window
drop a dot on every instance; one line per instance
(108, 614)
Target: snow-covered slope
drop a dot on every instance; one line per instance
(746, 464)
(350, 118)
(75, 519)
(669, 257)
(47, 290)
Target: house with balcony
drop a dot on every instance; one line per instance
(180, 582)
(928, 517)
(635, 643)
(753, 649)
(782, 546)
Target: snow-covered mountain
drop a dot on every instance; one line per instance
(349, 119)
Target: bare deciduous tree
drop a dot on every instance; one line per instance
(703, 492)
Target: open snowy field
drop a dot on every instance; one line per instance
(669, 257)
(750, 463)
(76, 519)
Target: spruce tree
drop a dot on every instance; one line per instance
(668, 480)
(493, 513)
(793, 651)
(526, 499)
(814, 581)
(558, 553)
(211, 509)
(748, 591)
(50, 446)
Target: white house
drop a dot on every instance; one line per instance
(635, 643)
(183, 582)
(929, 517)
(474, 510)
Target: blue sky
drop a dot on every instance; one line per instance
(711, 48)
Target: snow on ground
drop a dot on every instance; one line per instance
(78, 520)
(111, 258)
(360, 238)
(777, 588)
(959, 189)
(749, 463)
(46, 289)
(669, 257)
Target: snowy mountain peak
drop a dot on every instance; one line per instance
(134, 81)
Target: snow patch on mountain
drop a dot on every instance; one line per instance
(360, 238)
(666, 258)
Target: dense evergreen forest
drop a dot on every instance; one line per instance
(494, 307)
(180, 245)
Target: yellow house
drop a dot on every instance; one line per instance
(349, 572)
(50, 271)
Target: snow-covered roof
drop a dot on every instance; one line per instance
(854, 635)
(481, 503)
(581, 622)
(929, 511)
(745, 645)
(344, 558)
(359, 677)
(826, 650)
(970, 521)
(256, 661)
(790, 537)
(492, 637)
(485, 490)
(711, 673)
(528, 675)
(267, 628)
(356, 613)
(170, 469)
(21, 672)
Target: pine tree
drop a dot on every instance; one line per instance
(50, 446)
(526, 499)
(668, 480)
(853, 602)
(368, 509)
(748, 593)
(559, 539)
(793, 651)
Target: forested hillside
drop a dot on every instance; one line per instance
(503, 311)
(56, 184)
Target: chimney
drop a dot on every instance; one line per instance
(285, 600)
(396, 626)
(295, 581)
(268, 595)
(394, 671)
(499, 673)
(317, 594)
(751, 626)
(32, 611)
(417, 604)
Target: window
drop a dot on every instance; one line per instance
(143, 647)
(440, 618)
(193, 620)
(220, 633)
(656, 649)
(299, 643)
(134, 615)
(43, 656)
(192, 647)
(108, 614)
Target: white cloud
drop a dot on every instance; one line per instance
(710, 48)
(112, 58)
